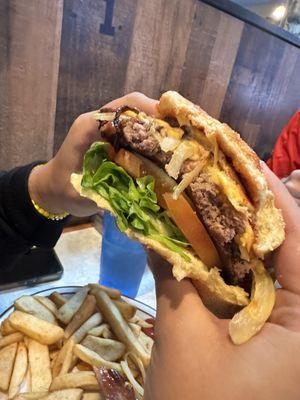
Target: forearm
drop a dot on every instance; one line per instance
(21, 227)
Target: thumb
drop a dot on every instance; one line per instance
(286, 257)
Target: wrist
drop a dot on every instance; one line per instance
(42, 191)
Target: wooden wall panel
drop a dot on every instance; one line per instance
(29, 54)
(211, 53)
(61, 58)
(264, 87)
(92, 63)
(159, 44)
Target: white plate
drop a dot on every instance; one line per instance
(143, 310)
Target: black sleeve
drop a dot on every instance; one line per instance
(21, 226)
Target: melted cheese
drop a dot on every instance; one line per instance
(231, 189)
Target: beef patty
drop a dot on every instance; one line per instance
(221, 220)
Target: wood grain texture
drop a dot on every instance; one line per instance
(92, 64)
(210, 57)
(264, 89)
(61, 58)
(158, 47)
(29, 54)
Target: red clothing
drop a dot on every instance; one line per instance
(286, 156)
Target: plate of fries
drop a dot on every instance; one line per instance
(75, 343)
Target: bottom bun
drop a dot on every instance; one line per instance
(222, 299)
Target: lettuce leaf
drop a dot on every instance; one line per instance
(134, 201)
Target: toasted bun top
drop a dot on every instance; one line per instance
(268, 220)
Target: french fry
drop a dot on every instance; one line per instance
(85, 311)
(66, 312)
(126, 309)
(110, 350)
(102, 330)
(37, 329)
(59, 361)
(58, 299)
(146, 341)
(39, 366)
(92, 358)
(119, 326)
(136, 329)
(91, 396)
(93, 321)
(12, 338)
(85, 380)
(6, 328)
(7, 358)
(53, 354)
(65, 394)
(112, 293)
(19, 370)
(32, 306)
(67, 363)
(83, 366)
(47, 303)
(31, 396)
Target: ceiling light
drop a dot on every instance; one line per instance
(278, 13)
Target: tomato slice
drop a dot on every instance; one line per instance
(192, 228)
(181, 211)
(138, 166)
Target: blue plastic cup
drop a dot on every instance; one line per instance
(123, 261)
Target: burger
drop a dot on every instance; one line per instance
(187, 186)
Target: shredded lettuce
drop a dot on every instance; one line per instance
(134, 201)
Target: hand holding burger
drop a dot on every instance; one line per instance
(193, 356)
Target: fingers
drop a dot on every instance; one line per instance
(286, 258)
(176, 298)
(138, 100)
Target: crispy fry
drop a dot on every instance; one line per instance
(126, 309)
(92, 358)
(58, 299)
(68, 358)
(39, 366)
(85, 311)
(93, 321)
(37, 329)
(31, 396)
(7, 358)
(110, 350)
(102, 330)
(112, 293)
(66, 394)
(85, 380)
(53, 353)
(83, 366)
(6, 328)
(136, 329)
(32, 306)
(47, 303)
(119, 326)
(59, 361)
(12, 338)
(66, 312)
(91, 396)
(19, 370)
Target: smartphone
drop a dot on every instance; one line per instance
(36, 266)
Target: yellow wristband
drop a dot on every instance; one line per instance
(47, 214)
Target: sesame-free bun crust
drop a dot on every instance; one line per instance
(222, 299)
(268, 220)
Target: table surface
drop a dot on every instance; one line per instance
(79, 252)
